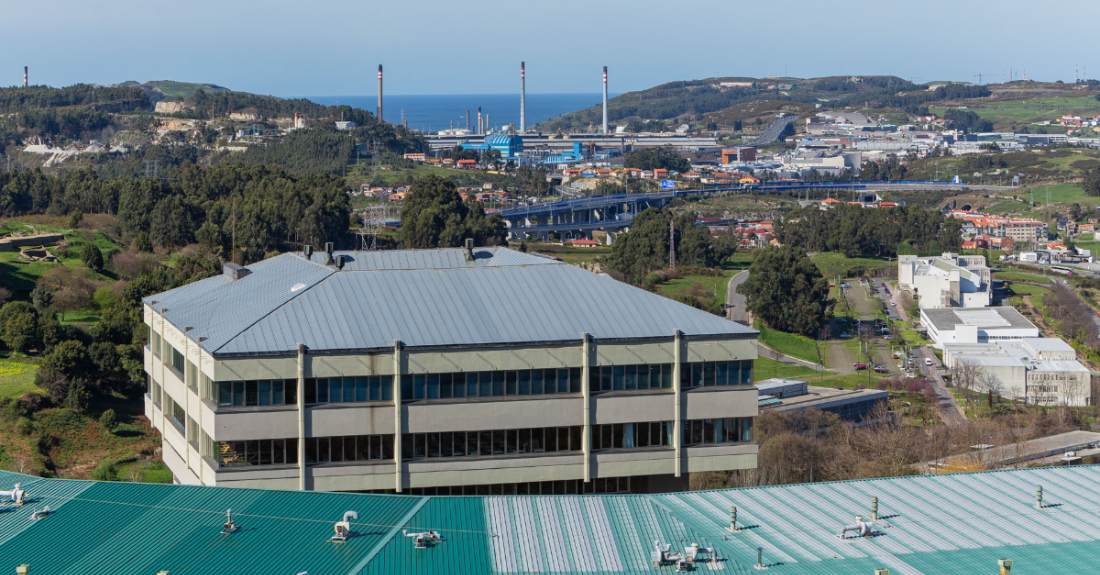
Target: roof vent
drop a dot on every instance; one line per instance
(343, 528)
(234, 271)
(307, 251)
(230, 526)
(15, 496)
(328, 253)
(339, 262)
(469, 249)
(424, 539)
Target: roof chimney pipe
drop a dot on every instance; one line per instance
(307, 251)
(469, 249)
(339, 262)
(379, 92)
(1005, 565)
(328, 254)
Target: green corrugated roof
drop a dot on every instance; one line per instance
(928, 524)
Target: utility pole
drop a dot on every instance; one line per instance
(672, 243)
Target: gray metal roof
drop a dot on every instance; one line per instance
(986, 318)
(423, 298)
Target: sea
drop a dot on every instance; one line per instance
(433, 113)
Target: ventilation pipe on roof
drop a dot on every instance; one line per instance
(339, 262)
(469, 249)
(230, 526)
(759, 558)
(733, 520)
(343, 528)
(23, 569)
(862, 528)
(874, 508)
(307, 251)
(1005, 565)
(328, 253)
(1038, 496)
(882, 571)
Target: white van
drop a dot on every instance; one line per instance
(927, 361)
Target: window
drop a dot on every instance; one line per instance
(177, 360)
(626, 435)
(192, 376)
(154, 341)
(178, 415)
(262, 452)
(488, 443)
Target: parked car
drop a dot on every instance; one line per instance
(893, 304)
(927, 361)
(880, 369)
(860, 366)
(896, 355)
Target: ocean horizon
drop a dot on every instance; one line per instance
(431, 113)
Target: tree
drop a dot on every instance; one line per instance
(1075, 212)
(109, 420)
(74, 219)
(42, 298)
(1091, 181)
(142, 243)
(786, 291)
(69, 358)
(656, 158)
(434, 216)
(92, 257)
(645, 247)
(19, 326)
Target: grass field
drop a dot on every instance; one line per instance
(1020, 277)
(790, 344)
(1024, 289)
(714, 286)
(833, 264)
(16, 376)
(766, 368)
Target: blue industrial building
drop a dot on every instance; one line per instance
(510, 146)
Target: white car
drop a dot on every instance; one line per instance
(927, 361)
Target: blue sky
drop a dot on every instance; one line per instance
(333, 47)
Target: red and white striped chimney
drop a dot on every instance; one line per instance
(605, 99)
(379, 92)
(24, 76)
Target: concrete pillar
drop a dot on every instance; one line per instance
(398, 475)
(586, 393)
(677, 389)
(301, 398)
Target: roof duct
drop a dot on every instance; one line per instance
(307, 251)
(328, 254)
(339, 262)
(469, 249)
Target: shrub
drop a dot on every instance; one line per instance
(24, 426)
(91, 256)
(109, 420)
(107, 471)
(77, 398)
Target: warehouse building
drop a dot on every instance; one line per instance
(1043, 371)
(914, 525)
(443, 372)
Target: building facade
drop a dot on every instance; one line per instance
(443, 371)
(950, 280)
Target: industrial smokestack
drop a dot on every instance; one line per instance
(479, 119)
(467, 120)
(379, 91)
(24, 76)
(522, 97)
(605, 99)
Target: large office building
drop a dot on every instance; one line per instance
(451, 371)
(949, 280)
(984, 325)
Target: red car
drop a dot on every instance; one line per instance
(881, 369)
(860, 366)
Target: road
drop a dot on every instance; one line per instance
(952, 413)
(772, 131)
(735, 302)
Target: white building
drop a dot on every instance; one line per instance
(955, 325)
(949, 280)
(1038, 370)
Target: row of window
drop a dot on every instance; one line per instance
(479, 443)
(724, 430)
(562, 487)
(491, 383)
(481, 384)
(497, 442)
